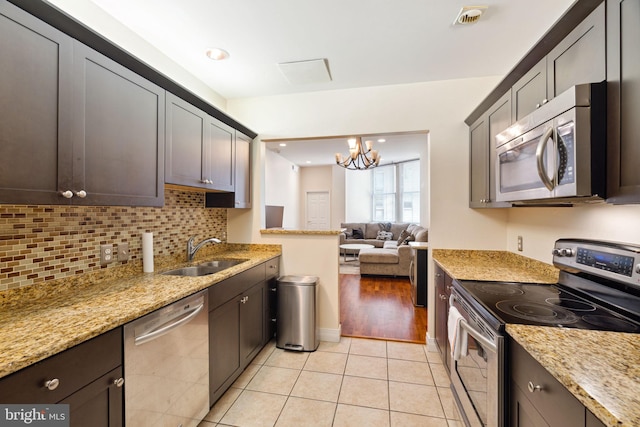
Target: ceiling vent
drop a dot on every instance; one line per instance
(469, 15)
(304, 72)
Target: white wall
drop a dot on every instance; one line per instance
(282, 187)
(358, 196)
(440, 107)
(338, 196)
(541, 227)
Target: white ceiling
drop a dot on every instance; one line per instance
(364, 42)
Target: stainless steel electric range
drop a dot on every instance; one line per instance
(598, 289)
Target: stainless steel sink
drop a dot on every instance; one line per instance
(206, 268)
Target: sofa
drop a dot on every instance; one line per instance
(391, 254)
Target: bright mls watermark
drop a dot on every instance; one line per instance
(34, 415)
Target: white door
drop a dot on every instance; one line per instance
(318, 210)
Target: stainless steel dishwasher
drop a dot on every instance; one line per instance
(166, 362)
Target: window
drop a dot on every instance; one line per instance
(396, 192)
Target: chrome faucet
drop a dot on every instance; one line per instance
(191, 249)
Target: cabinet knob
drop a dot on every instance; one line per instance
(82, 194)
(533, 388)
(67, 194)
(244, 300)
(119, 382)
(438, 275)
(273, 289)
(52, 384)
(442, 297)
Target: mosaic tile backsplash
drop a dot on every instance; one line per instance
(41, 243)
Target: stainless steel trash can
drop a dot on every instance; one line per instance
(296, 317)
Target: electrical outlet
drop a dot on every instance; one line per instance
(123, 252)
(106, 254)
(520, 243)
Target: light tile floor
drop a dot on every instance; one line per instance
(356, 382)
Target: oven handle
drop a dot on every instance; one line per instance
(477, 335)
(542, 145)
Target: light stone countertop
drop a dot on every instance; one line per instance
(601, 369)
(497, 266)
(292, 232)
(41, 320)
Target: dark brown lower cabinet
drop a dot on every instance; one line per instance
(443, 285)
(88, 377)
(537, 399)
(239, 315)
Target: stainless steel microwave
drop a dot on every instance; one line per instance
(557, 154)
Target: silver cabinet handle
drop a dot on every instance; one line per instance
(533, 388)
(119, 382)
(67, 194)
(244, 299)
(442, 297)
(163, 329)
(82, 194)
(52, 384)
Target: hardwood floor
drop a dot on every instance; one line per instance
(380, 307)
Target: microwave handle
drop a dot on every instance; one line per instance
(542, 146)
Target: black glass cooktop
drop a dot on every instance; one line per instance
(544, 305)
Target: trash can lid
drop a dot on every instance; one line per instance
(299, 280)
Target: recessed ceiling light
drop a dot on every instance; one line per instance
(217, 54)
(308, 161)
(381, 140)
(282, 144)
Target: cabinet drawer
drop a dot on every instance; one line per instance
(553, 401)
(74, 368)
(273, 267)
(227, 289)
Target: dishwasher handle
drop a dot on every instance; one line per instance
(166, 328)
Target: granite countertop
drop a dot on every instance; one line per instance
(601, 369)
(41, 320)
(498, 266)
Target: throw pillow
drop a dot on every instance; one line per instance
(403, 235)
(357, 233)
(384, 226)
(384, 235)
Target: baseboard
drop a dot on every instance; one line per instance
(431, 343)
(330, 335)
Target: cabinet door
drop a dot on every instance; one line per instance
(243, 171)
(623, 105)
(224, 347)
(35, 103)
(479, 162)
(523, 413)
(99, 404)
(499, 119)
(251, 322)
(185, 130)
(118, 151)
(220, 155)
(580, 57)
(530, 91)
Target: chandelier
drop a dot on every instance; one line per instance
(360, 157)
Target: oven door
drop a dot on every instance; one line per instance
(477, 377)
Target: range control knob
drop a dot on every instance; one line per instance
(567, 252)
(556, 252)
(638, 268)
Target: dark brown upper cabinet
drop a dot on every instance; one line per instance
(75, 127)
(623, 107)
(200, 150)
(482, 148)
(579, 58)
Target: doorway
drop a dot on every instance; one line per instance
(318, 212)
